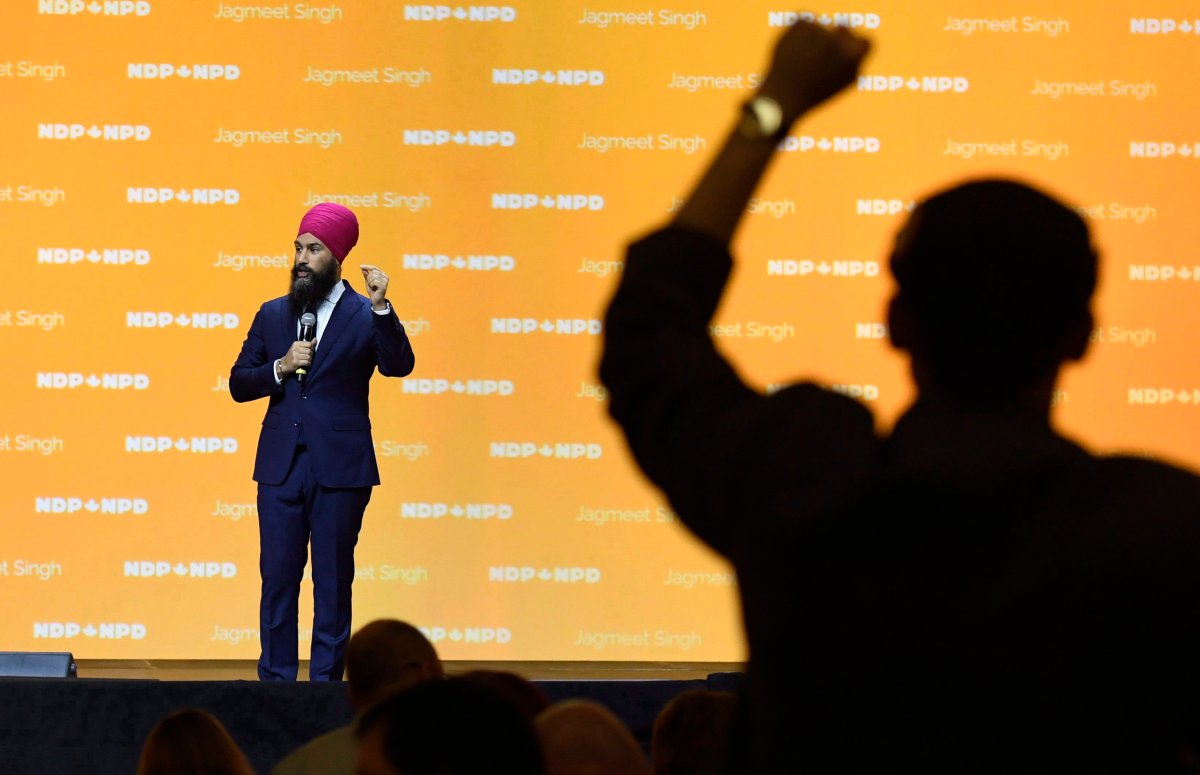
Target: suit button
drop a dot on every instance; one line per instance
(304, 395)
(296, 424)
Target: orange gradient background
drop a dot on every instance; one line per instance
(634, 589)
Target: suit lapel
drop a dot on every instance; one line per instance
(343, 311)
(286, 332)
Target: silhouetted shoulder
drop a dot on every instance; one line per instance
(1145, 490)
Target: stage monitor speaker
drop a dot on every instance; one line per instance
(37, 664)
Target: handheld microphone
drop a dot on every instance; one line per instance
(308, 327)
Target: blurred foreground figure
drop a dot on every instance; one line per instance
(191, 742)
(450, 727)
(973, 593)
(581, 737)
(385, 656)
(690, 733)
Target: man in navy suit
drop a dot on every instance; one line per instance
(315, 464)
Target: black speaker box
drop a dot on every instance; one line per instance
(35, 664)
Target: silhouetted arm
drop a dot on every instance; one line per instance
(693, 426)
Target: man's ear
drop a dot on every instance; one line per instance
(899, 324)
(1078, 337)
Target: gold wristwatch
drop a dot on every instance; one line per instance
(762, 119)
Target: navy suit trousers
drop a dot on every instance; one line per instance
(289, 514)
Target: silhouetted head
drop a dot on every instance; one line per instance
(690, 733)
(521, 693)
(450, 727)
(581, 737)
(994, 287)
(191, 742)
(386, 655)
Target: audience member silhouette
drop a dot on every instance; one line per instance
(450, 727)
(191, 742)
(384, 656)
(690, 733)
(580, 737)
(971, 593)
(519, 692)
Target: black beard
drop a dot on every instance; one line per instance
(306, 293)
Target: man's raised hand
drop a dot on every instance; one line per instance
(377, 283)
(812, 63)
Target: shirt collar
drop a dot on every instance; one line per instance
(335, 293)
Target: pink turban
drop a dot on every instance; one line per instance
(334, 225)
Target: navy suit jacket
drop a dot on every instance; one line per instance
(330, 407)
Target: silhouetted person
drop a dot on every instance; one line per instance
(972, 593)
(450, 727)
(581, 737)
(191, 742)
(690, 733)
(521, 693)
(385, 656)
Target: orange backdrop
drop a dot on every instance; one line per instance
(158, 156)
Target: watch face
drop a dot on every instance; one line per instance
(761, 117)
(770, 115)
